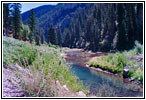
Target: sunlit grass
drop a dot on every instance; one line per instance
(116, 62)
(45, 65)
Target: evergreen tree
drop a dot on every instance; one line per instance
(52, 37)
(26, 32)
(42, 35)
(132, 29)
(17, 22)
(32, 24)
(139, 18)
(6, 18)
(121, 41)
(37, 39)
(59, 36)
(101, 26)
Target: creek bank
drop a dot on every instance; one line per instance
(72, 56)
(83, 55)
(63, 91)
(13, 87)
(127, 80)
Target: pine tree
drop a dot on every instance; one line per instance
(132, 28)
(32, 24)
(26, 32)
(37, 39)
(121, 41)
(6, 18)
(59, 36)
(17, 22)
(52, 37)
(139, 22)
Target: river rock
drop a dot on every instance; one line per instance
(125, 72)
(65, 87)
(80, 93)
(87, 65)
(17, 66)
(131, 79)
(57, 82)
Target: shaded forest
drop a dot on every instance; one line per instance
(96, 27)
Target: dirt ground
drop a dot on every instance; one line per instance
(12, 86)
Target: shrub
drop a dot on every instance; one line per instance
(138, 48)
(115, 63)
(112, 62)
(45, 67)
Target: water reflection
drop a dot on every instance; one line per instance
(95, 80)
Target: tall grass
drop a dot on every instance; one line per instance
(116, 62)
(44, 64)
(113, 62)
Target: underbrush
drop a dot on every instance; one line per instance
(115, 62)
(45, 65)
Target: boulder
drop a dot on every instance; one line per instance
(65, 87)
(81, 94)
(125, 72)
(131, 79)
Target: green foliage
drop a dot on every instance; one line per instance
(141, 78)
(102, 26)
(16, 19)
(6, 13)
(32, 21)
(45, 65)
(138, 48)
(112, 62)
(52, 36)
(32, 25)
(13, 52)
(31, 37)
(37, 39)
(117, 61)
(53, 46)
(26, 32)
(131, 74)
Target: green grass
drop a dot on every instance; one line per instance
(112, 62)
(115, 62)
(45, 65)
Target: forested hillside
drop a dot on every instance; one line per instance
(73, 50)
(92, 26)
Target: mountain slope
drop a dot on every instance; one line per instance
(93, 26)
(59, 15)
(39, 11)
(53, 14)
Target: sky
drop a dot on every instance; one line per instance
(28, 6)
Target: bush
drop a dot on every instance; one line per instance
(112, 62)
(45, 66)
(115, 63)
(138, 48)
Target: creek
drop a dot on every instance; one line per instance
(99, 83)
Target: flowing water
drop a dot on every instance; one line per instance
(98, 82)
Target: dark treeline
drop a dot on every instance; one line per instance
(106, 26)
(96, 27)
